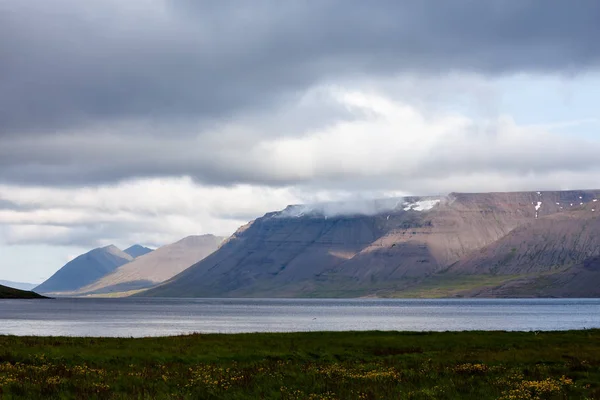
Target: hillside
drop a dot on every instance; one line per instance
(85, 269)
(383, 249)
(11, 293)
(154, 267)
(556, 256)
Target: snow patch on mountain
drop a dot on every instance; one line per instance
(357, 207)
(423, 205)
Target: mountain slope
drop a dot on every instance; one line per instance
(156, 266)
(558, 255)
(11, 293)
(84, 270)
(316, 251)
(18, 285)
(136, 250)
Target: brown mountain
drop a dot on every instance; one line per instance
(556, 255)
(154, 267)
(385, 248)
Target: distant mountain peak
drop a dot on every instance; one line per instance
(137, 250)
(155, 267)
(85, 269)
(198, 239)
(111, 248)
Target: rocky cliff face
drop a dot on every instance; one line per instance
(556, 255)
(387, 247)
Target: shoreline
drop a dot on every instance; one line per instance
(315, 332)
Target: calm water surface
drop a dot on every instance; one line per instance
(164, 317)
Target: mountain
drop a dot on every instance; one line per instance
(136, 250)
(18, 285)
(156, 267)
(12, 293)
(413, 245)
(555, 256)
(84, 270)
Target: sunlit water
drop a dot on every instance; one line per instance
(164, 317)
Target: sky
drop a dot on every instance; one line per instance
(146, 121)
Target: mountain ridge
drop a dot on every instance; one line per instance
(154, 267)
(304, 251)
(559, 256)
(84, 269)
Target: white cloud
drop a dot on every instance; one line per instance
(153, 211)
(381, 147)
(388, 148)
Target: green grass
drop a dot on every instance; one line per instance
(323, 365)
(10, 293)
(440, 286)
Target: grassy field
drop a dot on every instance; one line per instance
(328, 365)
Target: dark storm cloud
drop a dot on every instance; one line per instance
(67, 65)
(68, 62)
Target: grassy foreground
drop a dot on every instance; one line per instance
(324, 365)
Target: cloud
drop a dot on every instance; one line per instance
(384, 139)
(390, 149)
(148, 120)
(153, 212)
(70, 64)
(231, 94)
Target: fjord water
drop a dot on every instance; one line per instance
(165, 317)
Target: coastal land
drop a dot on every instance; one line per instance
(11, 293)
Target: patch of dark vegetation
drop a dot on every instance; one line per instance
(395, 351)
(10, 293)
(319, 365)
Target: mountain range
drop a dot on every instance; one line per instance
(519, 244)
(110, 271)
(156, 267)
(463, 244)
(85, 269)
